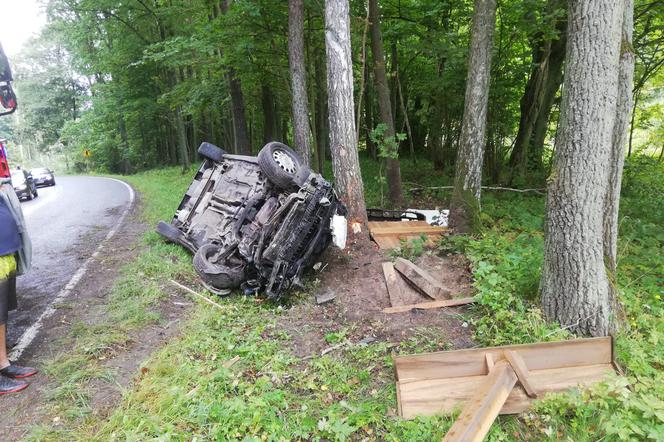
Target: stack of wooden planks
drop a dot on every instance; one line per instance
(497, 380)
(388, 234)
(403, 276)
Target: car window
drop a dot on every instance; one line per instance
(40, 171)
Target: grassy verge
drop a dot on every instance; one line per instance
(230, 376)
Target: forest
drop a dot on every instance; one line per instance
(142, 83)
(538, 123)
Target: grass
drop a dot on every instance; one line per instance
(188, 390)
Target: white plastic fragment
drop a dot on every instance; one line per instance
(339, 227)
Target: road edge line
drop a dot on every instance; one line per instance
(31, 333)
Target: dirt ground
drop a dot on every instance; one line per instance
(356, 279)
(22, 411)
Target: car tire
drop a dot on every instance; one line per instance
(220, 276)
(211, 152)
(282, 165)
(169, 231)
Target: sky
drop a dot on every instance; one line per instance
(21, 19)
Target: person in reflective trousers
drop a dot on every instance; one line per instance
(15, 251)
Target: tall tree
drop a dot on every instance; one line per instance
(242, 141)
(390, 144)
(343, 141)
(619, 140)
(298, 79)
(542, 86)
(575, 286)
(465, 204)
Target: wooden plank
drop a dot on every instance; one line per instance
(521, 371)
(489, 362)
(472, 362)
(483, 408)
(422, 280)
(393, 283)
(388, 234)
(383, 231)
(429, 305)
(384, 224)
(442, 396)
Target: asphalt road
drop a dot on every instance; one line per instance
(66, 223)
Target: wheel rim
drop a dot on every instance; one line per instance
(284, 161)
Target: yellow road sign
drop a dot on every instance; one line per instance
(87, 153)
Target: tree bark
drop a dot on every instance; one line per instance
(465, 203)
(343, 142)
(620, 131)
(298, 72)
(575, 286)
(391, 147)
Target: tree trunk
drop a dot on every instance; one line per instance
(183, 150)
(270, 132)
(343, 142)
(321, 112)
(465, 203)
(617, 154)
(537, 99)
(575, 286)
(242, 142)
(298, 72)
(391, 146)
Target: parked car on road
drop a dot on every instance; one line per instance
(256, 223)
(24, 185)
(43, 176)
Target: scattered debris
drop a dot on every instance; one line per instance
(198, 295)
(422, 280)
(325, 297)
(485, 380)
(429, 305)
(388, 234)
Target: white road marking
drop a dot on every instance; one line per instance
(31, 333)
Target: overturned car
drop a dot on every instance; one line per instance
(255, 223)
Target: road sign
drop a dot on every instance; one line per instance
(87, 153)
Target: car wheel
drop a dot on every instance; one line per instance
(227, 275)
(282, 165)
(211, 152)
(53, 183)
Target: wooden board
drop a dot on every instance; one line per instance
(442, 396)
(519, 367)
(388, 234)
(482, 409)
(394, 284)
(422, 280)
(472, 362)
(428, 305)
